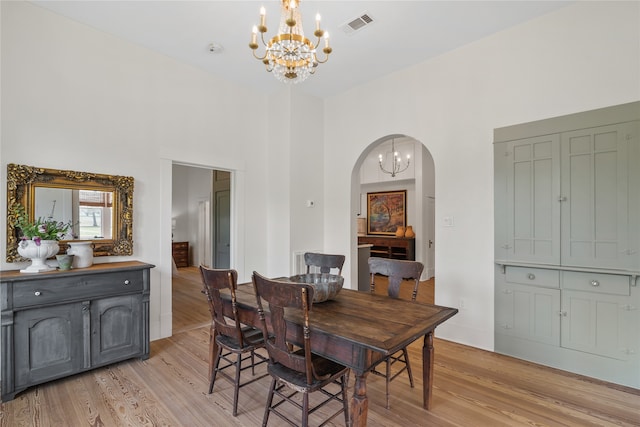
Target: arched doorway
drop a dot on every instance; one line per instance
(418, 180)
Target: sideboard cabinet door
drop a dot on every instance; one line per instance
(48, 343)
(116, 324)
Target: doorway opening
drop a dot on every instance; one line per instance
(201, 234)
(418, 181)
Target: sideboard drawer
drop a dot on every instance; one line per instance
(533, 276)
(596, 282)
(75, 288)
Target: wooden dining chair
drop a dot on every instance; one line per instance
(293, 367)
(325, 262)
(397, 271)
(236, 342)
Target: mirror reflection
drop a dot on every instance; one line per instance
(99, 206)
(90, 211)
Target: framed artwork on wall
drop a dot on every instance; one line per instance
(386, 211)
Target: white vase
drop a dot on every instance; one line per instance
(38, 254)
(83, 254)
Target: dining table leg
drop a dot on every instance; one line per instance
(427, 370)
(359, 405)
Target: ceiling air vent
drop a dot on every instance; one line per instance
(357, 24)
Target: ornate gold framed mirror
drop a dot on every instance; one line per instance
(100, 207)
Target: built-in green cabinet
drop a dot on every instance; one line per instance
(567, 242)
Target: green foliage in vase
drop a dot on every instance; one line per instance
(40, 229)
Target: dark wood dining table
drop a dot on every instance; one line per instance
(359, 329)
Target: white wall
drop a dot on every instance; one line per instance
(294, 175)
(582, 57)
(307, 166)
(75, 98)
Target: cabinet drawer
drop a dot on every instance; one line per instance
(533, 276)
(596, 282)
(73, 288)
(180, 247)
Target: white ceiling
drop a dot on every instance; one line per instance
(403, 33)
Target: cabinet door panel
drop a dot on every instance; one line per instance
(116, 325)
(48, 343)
(528, 312)
(533, 213)
(595, 187)
(600, 324)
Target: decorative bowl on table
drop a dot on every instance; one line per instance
(326, 286)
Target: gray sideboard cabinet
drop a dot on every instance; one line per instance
(61, 323)
(567, 242)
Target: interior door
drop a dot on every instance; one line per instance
(431, 237)
(204, 232)
(222, 228)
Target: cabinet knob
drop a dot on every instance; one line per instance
(531, 276)
(595, 283)
(126, 282)
(562, 313)
(37, 293)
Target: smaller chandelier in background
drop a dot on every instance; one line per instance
(396, 164)
(289, 55)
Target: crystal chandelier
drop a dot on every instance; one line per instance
(396, 164)
(289, 55)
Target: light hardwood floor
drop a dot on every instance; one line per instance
(471, 388)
